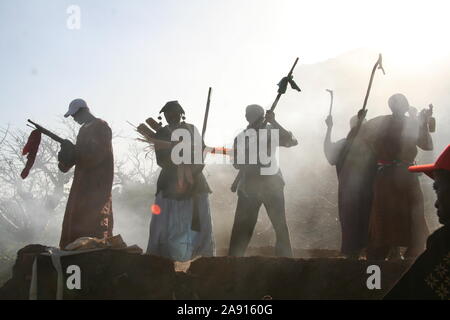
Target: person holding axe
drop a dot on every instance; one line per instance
(256, 188)
(355, 191)
(259, 180)
(397, 217)
(89, 207)
(181, 227)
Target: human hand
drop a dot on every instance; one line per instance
(270, 116)
(329, 121)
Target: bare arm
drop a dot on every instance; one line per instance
(328, 146)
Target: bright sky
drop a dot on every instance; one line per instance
(130, 57)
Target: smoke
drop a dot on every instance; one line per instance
(311, 184)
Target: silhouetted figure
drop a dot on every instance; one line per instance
(397, 218)
(89, 208)
(256, 188)
(429, 276)
(181, 226)
(355, 190)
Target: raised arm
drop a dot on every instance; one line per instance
(424, 140)
(330, 148)
(286, 137)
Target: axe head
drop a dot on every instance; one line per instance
(282, 85)
(380, 63)
(330, 91)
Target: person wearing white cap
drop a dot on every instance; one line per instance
(89, 208)
(75, 106)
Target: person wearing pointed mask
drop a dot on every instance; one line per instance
(181, 225)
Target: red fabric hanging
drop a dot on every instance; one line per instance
(31, 148)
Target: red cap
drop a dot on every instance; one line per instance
(443, 162)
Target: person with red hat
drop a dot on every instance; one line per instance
(429, 276)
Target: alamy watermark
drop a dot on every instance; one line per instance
(73, 21)
(374, 280)
(74, 279)
(253, 147)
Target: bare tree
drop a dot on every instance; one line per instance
(31, 210)
(27, 207)
(138, 166)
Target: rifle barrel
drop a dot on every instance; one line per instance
(205, 119)
(48, 133)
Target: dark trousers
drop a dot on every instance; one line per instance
(245, 220)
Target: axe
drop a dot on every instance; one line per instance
(331, 103)
(361, 114)
(282, 87)
(378, 65)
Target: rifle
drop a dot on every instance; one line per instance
(48, 133)
(282, 86)
(205, 119)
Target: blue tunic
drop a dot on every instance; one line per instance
(171, 235)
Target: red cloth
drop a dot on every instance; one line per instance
(31, 148)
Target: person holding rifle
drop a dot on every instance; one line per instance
(89, 207)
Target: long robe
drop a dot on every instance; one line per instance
(89, 207)
(397, 217)
(355, 191)
(181, 226)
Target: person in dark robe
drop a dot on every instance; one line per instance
(429, 276)
(397, 219)
(355, 174)
(181, 226)
(89, 207)
(256, 188)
